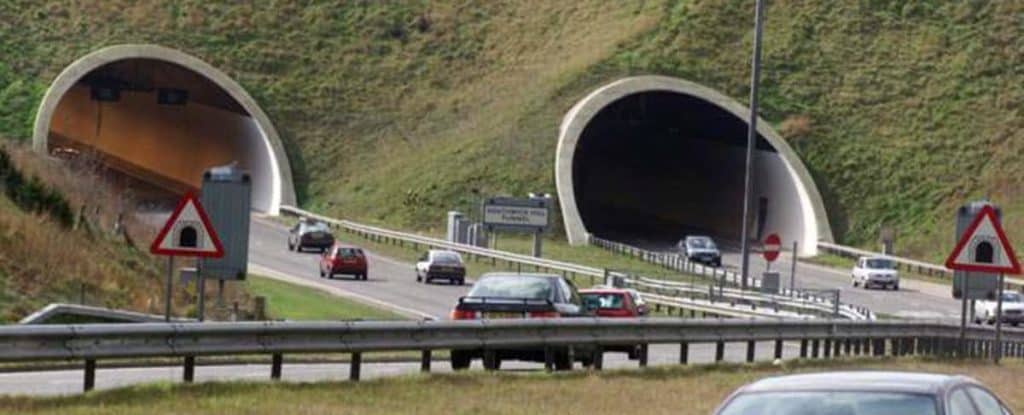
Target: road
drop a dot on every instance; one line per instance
(915, 299)
(391, 284)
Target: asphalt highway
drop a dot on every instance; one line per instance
(392, 285)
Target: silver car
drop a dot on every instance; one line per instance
(864, 393)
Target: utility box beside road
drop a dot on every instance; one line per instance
(226, 196)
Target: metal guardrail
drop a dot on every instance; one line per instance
(568, 269)
(910, 265)
(56, 310)
(588, 335)
(791, 299)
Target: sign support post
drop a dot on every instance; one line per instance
(998, 352)
(792, 272)
(169, 289)
(200, 292)
(963, 315)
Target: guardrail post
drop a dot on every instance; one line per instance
(90, 375)
(643, 355)
(425, 361)
(837, 347)
(598, 358)
(751, 345)
(856, 347)
(354, 366)
(490, 360)
(847, 346)
(827, 352)
(803, 348)
(778, 348)
(815, 348)
(878, 347)
(684, 353)
(275, 366)
(190, 369)
(719, 351)
(894, 344)
(549, 359)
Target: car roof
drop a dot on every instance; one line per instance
(907, 382)
(697, 237)
(604, 291)
(449, 251)
(873, 257)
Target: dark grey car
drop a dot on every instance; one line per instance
(310, 234)
(864, 393)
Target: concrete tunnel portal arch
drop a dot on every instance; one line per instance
(162, 117)
(648, 159)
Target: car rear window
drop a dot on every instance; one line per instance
(612, 301)
(447, 258)
(350, 252)
(824, 402)
(316, 227)
(881, 264)
(509, 286)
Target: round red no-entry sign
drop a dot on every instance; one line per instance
(772, 245)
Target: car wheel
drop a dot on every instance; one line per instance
(855, 283)
(462, 281)
(460, 359)
(291, 247)
(426, 280)
(322, 273)
(866, 285)
(364, 276)
(895, 287)
(492, 361)
(418, 277)
(563, 361)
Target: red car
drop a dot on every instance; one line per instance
(612, 302)
(343, 260)
(615, 303)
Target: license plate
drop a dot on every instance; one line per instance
(497, 315)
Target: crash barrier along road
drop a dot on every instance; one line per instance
(800, 301)
(817, 338)
(727, 303)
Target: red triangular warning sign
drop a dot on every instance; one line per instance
(188, 232)
(984, 247)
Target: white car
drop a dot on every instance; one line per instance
(875, 271)
(1013, 309)
(437, 264)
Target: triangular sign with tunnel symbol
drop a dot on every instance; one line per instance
(984, 247)
(188, 232)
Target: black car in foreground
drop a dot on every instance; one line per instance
(514, 296)
(864, 393)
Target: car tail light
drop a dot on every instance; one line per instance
(463, 315)
(543, 314)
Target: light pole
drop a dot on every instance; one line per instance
(751, 141)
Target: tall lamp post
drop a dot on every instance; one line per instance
(751, 142)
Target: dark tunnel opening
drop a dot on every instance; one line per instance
(654, 166)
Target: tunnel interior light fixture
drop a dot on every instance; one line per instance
(171, 96)
(105, 93)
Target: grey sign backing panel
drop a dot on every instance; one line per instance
(227, 200)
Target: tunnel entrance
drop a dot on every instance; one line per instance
(156, 119)
(649, 160)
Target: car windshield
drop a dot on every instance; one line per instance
(700, 243)
(447, 258)
(1012, 298)
(605, 300)
(511, 286)
(879, 263)
(844, 403)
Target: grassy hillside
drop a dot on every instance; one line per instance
(396, 111)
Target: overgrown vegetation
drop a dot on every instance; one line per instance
(30, 194)
(655, 390)
(395, 112)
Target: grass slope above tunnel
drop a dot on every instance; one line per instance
(396, 112)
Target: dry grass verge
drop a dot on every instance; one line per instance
(675, 390)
